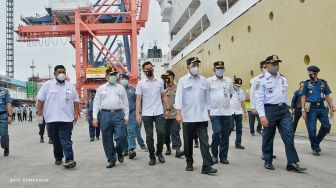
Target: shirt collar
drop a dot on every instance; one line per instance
(146, 79)
(192, 77)
(267, 74)
(60, 84)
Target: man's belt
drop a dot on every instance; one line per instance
(279, 104)
(113, 110)
(317, 103)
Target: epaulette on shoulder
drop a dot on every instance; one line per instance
(260, 77)
(282, 75)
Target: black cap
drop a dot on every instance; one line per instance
(218, 64)
(123, 75)
(262, 63)
(170, 72)
(193, 60)
(313, 68)
(238, 81)
(272, 59)
(111, 71)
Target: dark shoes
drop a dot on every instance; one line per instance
(208, 170)
(295, 168)
(144, 148)
(252, 134)
(91, 139)
(58, 162)
(168, 152)
(215, 160)
(152, 162)
(6, 152)
(196, 144)
(189, 167)
(269, 166)
(318, 149)
(121, 158)
(110, 165)
(50, 142)
(125, 153)
(160, 157)
(41, 140)
(239, 147)
(69, 164)
(179, 153)
(224, 161)
(316, 153)
(259, 132)
(97, 138)
(131, 154)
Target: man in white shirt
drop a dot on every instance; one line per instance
(221, 90)
(58, 102)
(191, 104)
(149, 109)
(238, 107)
(112, 104)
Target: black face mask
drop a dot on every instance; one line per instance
(149, 73)
(312, 76)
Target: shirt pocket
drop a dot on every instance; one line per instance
(188, 89)
(68, 96)
(284, 89)
(202, 92)
(53, 94)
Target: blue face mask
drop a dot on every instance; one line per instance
(273, 69)
(219, 72)
(112, 79)
(124, 82)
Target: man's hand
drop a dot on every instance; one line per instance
(245, 116)
(75, 118)
(331, 113)
(179, 118)
(139, 119)
(9, 120)
(125, 121)
(95, 122)
(304, 115)
(264, 121)
(254, 111)
(167, 114)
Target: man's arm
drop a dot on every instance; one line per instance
(330, 104)
(294, 99)
(40, 105)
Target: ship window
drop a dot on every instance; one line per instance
(271, 16)
(302, 1)
(306, 59)
(209, 52)
(232, 38)
(219, 46)
(249, 29)
(251, 73)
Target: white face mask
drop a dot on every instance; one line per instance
(194, 70)
(61, 77)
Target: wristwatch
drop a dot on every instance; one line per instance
(303, 110)
(168, 109)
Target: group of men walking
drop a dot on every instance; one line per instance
(118, 111)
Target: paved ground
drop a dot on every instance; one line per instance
(30, 160)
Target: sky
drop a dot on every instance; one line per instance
(59, 50)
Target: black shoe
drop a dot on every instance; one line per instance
(6, 152)
(240, 147)
(168, 152)
(125, 153)
(252, 134)
(259, 132)
(179, 153)
(274, 156)
(208, 170)
(160, 157)
(316, 153)
(121, 158)
(269, 166)
(295, 168)
(58, 162)
(69, 164)
(97, 138)
(318, 149)
(131, 154)
(41, 140)
(196, 144)
(50, 142)
(189, 167)
(91, 139)
(215, 160)
(110, 165)
(224, 161)
(152, 162)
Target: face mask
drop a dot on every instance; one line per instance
(124, 82)
(263, 70)
(312, 76)
(219, 72)
(194, 70)
(149, 73)
(273, 69)
(61, 77)
(112, 79)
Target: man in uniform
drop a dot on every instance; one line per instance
(238, 107)
(5, 118)
(58, 102)
(172, 126)
(132, 126)
(112, 104)
(150, 102)
(271, 104)
(221, 91)
(93, 131)
(315, 92)
(191, 104)
(296, 106)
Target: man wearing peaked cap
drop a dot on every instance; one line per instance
(316, 104)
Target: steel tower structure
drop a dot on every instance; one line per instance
(10, 38)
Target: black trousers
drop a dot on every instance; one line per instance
(30, 116)
(297, 115)
(19, 117)
(13, 116)
(189, 132)
(24, 116)
(173, 134)
(42, 129)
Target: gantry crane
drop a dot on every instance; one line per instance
(85, 25)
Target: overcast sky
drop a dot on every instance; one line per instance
(62, 52)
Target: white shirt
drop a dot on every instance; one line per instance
(192, 98)
(220, 91)
(151, 91)
(270, 90)
(236, 101)
(252, 97)
(58, 100)
(110, 97)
